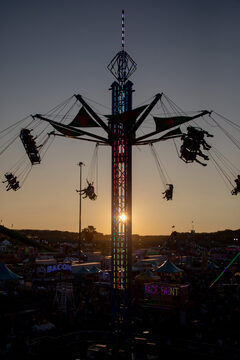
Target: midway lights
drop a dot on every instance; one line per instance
(123, 217)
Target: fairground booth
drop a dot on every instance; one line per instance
(162, 288)
(46, 269)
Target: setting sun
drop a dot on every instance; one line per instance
(123, 217)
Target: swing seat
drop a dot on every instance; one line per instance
(30, 146)
(188, 156)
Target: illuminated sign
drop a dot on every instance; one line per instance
(59, 267)
(155, 289)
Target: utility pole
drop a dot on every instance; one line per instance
(80, 211)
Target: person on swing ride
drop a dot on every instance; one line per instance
(9, 177)
(190, 156)
(197, 134)
(192, 142)
(12, 182)
(28, 140)
(168, 194)
(236, 190)
(89, 191)
(14, 186)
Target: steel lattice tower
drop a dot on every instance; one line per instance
(123, 125)
(122, 66)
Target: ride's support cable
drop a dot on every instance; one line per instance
(145, 114)
(159, 105)
(159, 167)
(226, 268)
(229, 121)
(146, 124)
(9, 144)
(226, 162)
(97, 103)
(234, 141)
(147, 101)
(52, 112)
(97, 169)
(44, 142)
(94, 115)
(61, 105)
(27, 172)
(220, 170)
(175, 145)
(19, 163)
(93, 165)
(36, 124)
(23, 174)
(176, 109)
(166, 111)
(14, 125)
(68, 112)
(60, 109)
(47, 148)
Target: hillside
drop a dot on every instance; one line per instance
(20, 239)
(217, 238)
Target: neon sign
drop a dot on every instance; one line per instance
(155, 289)
(59, 267)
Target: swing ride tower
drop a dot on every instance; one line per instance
(121, 135)
(121, 131)
(122, 66)
(123, 127)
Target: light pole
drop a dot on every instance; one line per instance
(80, 212)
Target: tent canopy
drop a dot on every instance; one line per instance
(83, 270)
(168, 268)
(7, 274)
(145, 275)
(212, 266)
(94, 269)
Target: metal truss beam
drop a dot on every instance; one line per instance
(94, 115)
(70, 128)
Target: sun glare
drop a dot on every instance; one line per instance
(123, 217)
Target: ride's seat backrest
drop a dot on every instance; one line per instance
(188, 155)
(194, 133)
(191, 144)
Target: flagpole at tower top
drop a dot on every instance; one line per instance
(123, 30)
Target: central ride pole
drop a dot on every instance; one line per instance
(122, 66)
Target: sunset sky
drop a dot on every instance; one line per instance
(52, 49)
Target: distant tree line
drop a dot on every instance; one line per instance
(100, 242)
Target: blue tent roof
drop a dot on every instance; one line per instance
(144, 275)
(7, 274)
(149, 273)
(94, 269)
(168, 267)
(83, 270)
(212, 266)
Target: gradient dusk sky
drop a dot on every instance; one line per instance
(52, 49)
